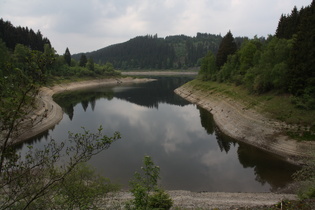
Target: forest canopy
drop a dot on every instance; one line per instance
(284, 62)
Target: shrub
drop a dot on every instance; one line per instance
(144, 187)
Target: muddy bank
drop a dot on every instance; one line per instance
(47, 113)
(247, 125)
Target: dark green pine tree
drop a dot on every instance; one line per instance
(83, 60)
(288, 25)
(67, 57)
(301, 75)
(227, 47)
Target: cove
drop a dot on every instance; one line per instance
(181, 138)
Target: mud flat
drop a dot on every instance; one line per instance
(247, 125)
(48, 113)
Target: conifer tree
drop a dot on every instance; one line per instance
(67, 57)
(226, 48)
(301, 77)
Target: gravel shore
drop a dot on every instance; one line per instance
(205, 200)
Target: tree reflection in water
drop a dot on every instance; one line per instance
(268, 167)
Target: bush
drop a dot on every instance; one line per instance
(306, 176)
(147, 194)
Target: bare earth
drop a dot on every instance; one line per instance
(244, 125)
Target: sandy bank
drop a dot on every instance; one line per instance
(47, 113)
(159, 73)
(247, 125)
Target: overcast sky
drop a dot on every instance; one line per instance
(88, 25)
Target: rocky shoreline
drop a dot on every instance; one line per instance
(247, 125)
(205, 200)
(47, 113)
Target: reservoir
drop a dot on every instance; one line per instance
(181, 138)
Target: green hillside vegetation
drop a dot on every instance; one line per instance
(277, 74)
(284, 63)
(151, 52)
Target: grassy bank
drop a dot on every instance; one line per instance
(274, 105)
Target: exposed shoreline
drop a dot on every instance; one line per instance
(159, 73)
(48, 113)
(247, 125)
(207, 200)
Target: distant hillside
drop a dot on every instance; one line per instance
(152, 52)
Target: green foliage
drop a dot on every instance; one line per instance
(282, 63)
(90, 64)
(301, 72)
(144, 184)
(39, 179)
(83, 60)
(208, 67)
(227, 47)
(288, 24)
(151, 52)
(21, 35)
(82, 189)
(306, 176)
(160, 200)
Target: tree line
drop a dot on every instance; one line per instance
(152, 52)
(12, 35)
(283, 62)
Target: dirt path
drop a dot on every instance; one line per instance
(247, 125)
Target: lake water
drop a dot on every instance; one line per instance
(181, 138)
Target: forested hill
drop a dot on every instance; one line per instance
(152, 52)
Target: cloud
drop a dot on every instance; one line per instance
(89, 25)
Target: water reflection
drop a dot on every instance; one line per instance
(268, 167)
(181, 138)
(149, 95)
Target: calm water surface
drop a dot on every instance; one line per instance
(181, 138)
